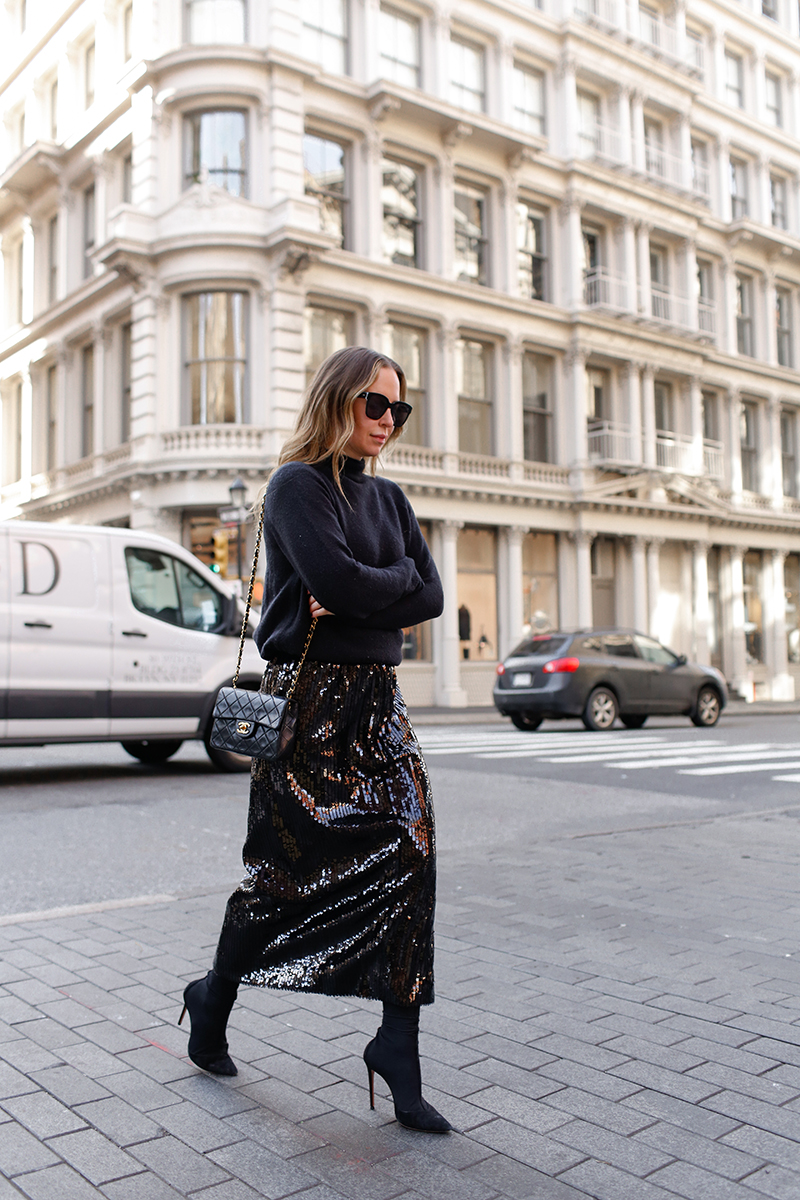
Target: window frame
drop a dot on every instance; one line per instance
(189, 362)
(192, 134)
(329, 197)
(413, 223)
(417, 396)
(778, 201)
(53, 231)
(457, 90)
(773, 77)
(325, 35)
(734, 92)
(88, 399)
(476, 245)
(190, 40)
(788, 424)
(784, 332)
(533, 262)
(89, 215)
(749, 447)
(744, 314)
(537, 419)
(739, 176)
(412, 20)
(125, 379)
(527, 119)
(487, 414)
(314, 305)
(51, 416)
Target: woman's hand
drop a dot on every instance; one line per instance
(316, 608)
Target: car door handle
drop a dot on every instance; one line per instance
(133, 633)
(38, 625)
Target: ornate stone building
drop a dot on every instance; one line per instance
(576, 223)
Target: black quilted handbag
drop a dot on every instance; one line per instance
(252, 723)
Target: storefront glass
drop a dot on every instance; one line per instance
(477, 593)
(791, 578)
(753, 607)
(417, 638)
(714, 610)
(539, 583)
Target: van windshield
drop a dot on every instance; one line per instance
(169, 590)
(543, 644)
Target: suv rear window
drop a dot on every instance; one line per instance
(545, 644)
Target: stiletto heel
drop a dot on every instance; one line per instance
(209, 1002)
(402, 1075)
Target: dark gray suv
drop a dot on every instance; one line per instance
(601, 674)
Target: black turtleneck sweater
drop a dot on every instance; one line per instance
(361, 555)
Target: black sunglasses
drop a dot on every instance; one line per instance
(377, 405)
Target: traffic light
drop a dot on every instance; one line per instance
(220, 563)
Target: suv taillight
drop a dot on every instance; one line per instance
(559, 666)
(501, 669)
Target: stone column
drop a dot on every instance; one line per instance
(769, 334)
(450, 693)
(772, 457)
(575, 378)
(512, 434)
(568, 106)
(782, 683)
(702, 611)
(583, 565)
(685, 139)
(758, 84)
(690, 276)
(366, 235)
(633, 396)
(648, 417)
(763, 205)
(508, 194)
(734, 439)
(444, 416)
(638, 562)
(643, 255)
(629, 253)
(739, 677)
(440, 25)
(444, 254)
(696, 424)
(727, 306)
(623, 94)
(510, 609)
(724, 179)
(638, 157)
(572, 247)
(654, 582)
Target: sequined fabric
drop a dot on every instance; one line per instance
(340, 856)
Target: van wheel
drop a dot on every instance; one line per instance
(526, 721)
(153, 753)
(226, 760)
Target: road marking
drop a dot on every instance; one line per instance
(655, 753)
(741, 768)
(592, 755)
(710, 756)
(786, 778)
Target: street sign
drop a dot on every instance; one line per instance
(234, 516)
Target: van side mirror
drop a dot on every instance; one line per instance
(681, 661)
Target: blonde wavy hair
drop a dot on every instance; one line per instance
(325, 422)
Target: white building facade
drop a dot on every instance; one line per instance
(575, 224)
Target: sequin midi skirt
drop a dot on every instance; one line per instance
(340, 855)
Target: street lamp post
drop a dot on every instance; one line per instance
(238, 493)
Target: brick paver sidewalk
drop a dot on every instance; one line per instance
(617, 1017)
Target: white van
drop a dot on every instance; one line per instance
(113, 635)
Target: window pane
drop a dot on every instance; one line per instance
(477, 593)
(466, 75)
(528, 99)
(399, 42)
(217, 357)
(151, 579)
(201, 604)
(325, 331)
(791, 576)
(216, 21)
(537, 407)
(531, 260)
(216, 149)
(753, 610)
(325, 34)
(399, 194)
(408, 349)
(470, 250)
(324, 175)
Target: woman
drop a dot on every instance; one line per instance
(341, 874)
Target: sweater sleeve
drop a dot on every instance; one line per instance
(306, 527)
(424, 604)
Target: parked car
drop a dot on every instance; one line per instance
(601, 674)
(113, 635)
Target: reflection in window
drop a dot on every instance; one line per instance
(714, 609)
(470, 235)
(528, 99)
(89, 221)
(539, 586)
(789, 452)
(216, 361)
(324, 331)
(744, 315)
(51, 416)
(52, 259)
(753, 607)
(774, 100)
(467, 75)
(87, 400)
(325, 34)
(324, 176)
(220, 21)
(399, 43)
(777, 201)
(791, 579)
(401, 219)
(783, 326)
(748, 433)
(126, 377)
(474, 397)
(531, 257)
(734, 80)
(417, 638)
(664, 406)
(477, 593)
(216, 149)
(537, 409)
(408, 349)
(739, 190)
(653, 652)
(169, 590)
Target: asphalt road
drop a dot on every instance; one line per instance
(84, 824)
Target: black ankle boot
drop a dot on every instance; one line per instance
(394, 1054)
(209, 1002)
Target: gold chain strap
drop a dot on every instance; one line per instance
(248, 603)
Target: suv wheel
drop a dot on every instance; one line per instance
(601, 709)
(526, 721)
(707, 709)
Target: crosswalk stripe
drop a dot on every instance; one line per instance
(596, 756)
(685, 760)
(653, 752)
(786, 778)
(741, 768)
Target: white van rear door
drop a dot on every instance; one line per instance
(5, 628)
(167, 658)
(60, 653)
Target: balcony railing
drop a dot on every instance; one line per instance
(613, 444)
(675, 453)
(598, 12)
(600, 141)
(663, 166)
(713, 462)
(668, 308)
(213, 439)
(657, 36)
(602, 289)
